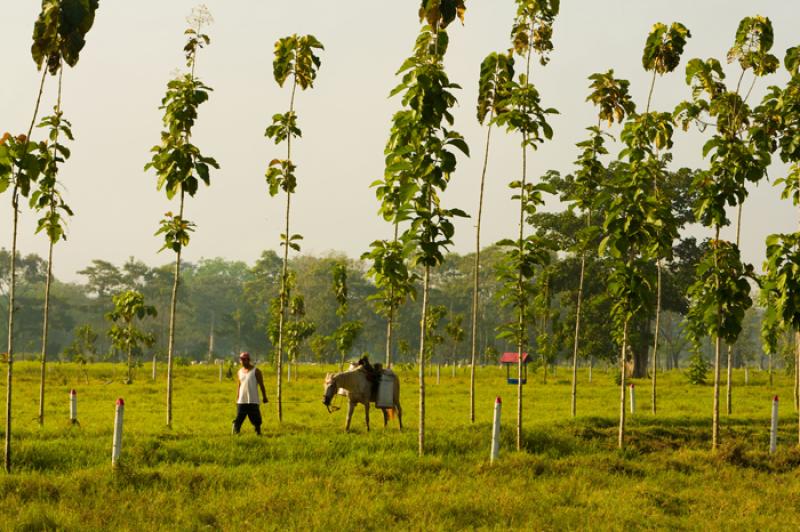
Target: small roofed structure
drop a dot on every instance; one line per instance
(512, 359)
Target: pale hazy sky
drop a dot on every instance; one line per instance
(113, 94)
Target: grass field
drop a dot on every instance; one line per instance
(307, 473)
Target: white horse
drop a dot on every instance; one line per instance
(359, 390)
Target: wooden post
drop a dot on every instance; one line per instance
(73, 407)
(438, 372)
(773, 431)
(220, 372)
(746, 375)
(154, 367)
(498, 404)
(116, 446)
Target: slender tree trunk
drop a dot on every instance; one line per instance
(574, 394)
(130, 360)
(520, 280)
(769, 369)
(476, 274)
(173, 307)
(390, 318)
(717, 358)
(621, 434)
(45, 324)
(656, 334)
(422, 341)
(658, 275)
(11, 312)
(729, 383)
(12, 287)
(285, 271)
(45, 319)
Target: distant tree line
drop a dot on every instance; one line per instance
(225, 308)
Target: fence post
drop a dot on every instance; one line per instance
(498, 404)
(154, 367)
(220, 372)
(633, 399)
(73, 407)
(773, 431)
(117, 443)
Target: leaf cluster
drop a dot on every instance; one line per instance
(720, 295)
(179, 164)
(440, 13)
(20, 163)
(295, 56)
(176, 232)
(496, 77)
(390, 272)
(610, 95)
(664, 47)
(533, 27)
(129, 306)
(47, 197)
(781, 284)
(59, 32)
(753, 41)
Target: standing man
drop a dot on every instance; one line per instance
(250, 380)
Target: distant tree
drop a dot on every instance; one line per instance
(129, 308)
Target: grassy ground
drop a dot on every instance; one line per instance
(306, 473)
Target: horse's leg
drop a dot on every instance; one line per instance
(399, 414)
(366, 413)
(350, 408)
(385, 417)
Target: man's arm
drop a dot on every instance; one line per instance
(238, 385)
(260, 380)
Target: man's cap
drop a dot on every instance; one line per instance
(245, 354)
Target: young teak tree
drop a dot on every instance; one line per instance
(737, 156)
(295, 57)
(59, 35)
(455, 332)
(496, 76)
(662, 54)
(346, 334)
(611, 96)
(421, 141)
(531, 33)
(180, 166)
(782, 284)
(48, 199)
(129, 307)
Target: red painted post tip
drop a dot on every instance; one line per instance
(631, 385)
(120, 402)
(776, 398)
(73, 392)
(497, 401)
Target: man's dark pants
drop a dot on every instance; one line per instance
(251, 411)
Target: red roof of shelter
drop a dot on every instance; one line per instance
(513, 358)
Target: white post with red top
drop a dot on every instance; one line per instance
(633, 399)
(498, 404)
(773, 431)
(73, 406)
(117, 443)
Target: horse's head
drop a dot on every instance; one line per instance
(330, 390)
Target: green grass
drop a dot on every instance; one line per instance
(307, 473)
